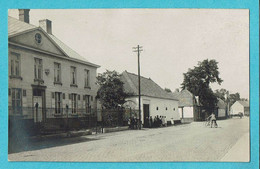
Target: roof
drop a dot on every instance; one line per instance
(16, 27)
(221, 104)
(186, 98)
(148, 86)
(244, 103)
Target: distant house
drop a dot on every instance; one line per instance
(154, 100)
(221, 109)
(240, 106)
(186, 106)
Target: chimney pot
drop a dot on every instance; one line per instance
(45, 24)
(24, 15)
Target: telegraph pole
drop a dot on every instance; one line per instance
(138, 49)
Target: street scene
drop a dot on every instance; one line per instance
(186, 142)
(144, 85)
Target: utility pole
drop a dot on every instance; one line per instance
(138, 49)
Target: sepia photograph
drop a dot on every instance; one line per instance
(129, 85)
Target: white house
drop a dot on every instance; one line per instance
(49, 83)
(240, 107)
(221, 109)
(154, 100)
(186, 106)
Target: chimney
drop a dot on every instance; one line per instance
(24, 15)
(45, 24)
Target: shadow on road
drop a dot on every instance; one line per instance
(18, 145)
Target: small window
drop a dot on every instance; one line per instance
(157, 108)
(166, 108)
(173, 109)
(73, 75)
(91, 97)
(63, 96)
(9, 92)
(78, 97)
(52, 95)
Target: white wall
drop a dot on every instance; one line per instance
(171, 105)
(236, 108)
(221, 112)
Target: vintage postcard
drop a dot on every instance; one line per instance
(128, 85)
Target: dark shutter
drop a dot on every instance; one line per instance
(24, 92)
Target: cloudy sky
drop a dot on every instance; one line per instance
(173, 41)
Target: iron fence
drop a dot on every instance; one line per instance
(49, 120)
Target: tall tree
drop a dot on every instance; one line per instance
(222, 94)
(198, 80)
(110, 93)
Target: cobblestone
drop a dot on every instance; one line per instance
(187, 142)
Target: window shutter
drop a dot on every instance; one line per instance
(63, 95)
(84, 97)
(78, 97)
(24, 92)
(52, 95)
(69, 96)
(91, 97)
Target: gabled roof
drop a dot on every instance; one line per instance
(244, 103)
(148, 86)
(17, 27)
(186, 98)
(221, 104)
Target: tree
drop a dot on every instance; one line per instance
(110, 93)
(233, 98)
(198, 80)
(222, 94)
(168, 90)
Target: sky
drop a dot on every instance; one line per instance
(173, 41)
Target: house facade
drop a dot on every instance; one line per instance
(187, 105)
(49, 83)
(154, 100)
(240, 107)
(222, 109)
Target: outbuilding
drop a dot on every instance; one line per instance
(154, 100)
(240, 107)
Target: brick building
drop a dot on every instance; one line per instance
(50, 84)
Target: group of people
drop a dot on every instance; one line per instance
(157, 121)
(150, 122)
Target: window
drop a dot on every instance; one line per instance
(86, 75)
(73, 75)
(37, 69)
(58, 102)
(73, 103)
(15, 65)
(16, 95)
(57, 73)
(166, 108)
(157, 108)
(87, 103)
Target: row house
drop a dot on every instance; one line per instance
(48, 81)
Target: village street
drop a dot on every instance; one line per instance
(186, 142)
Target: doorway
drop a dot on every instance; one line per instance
(146, 115)
(39, 105)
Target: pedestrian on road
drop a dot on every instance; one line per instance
(213, 120)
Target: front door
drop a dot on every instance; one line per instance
(146, 115)
(39, 105)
